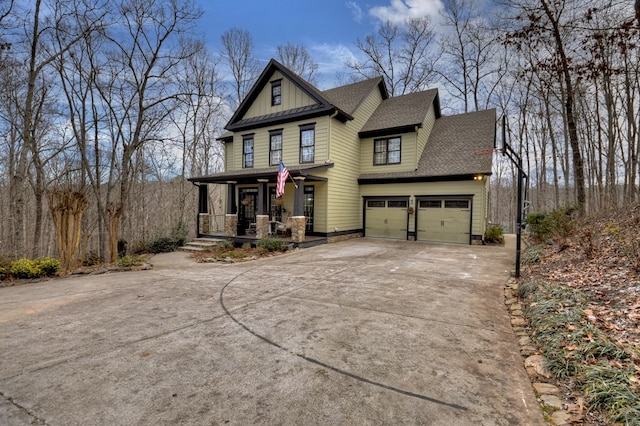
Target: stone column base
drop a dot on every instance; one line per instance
(262, 226)
(298, 229)
(205, 223)
(231, 225)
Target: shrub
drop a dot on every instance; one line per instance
(494, 234)
(129, 261)
(271, 244)
(162, 245)
(27, 268)
(557, 224)
(225, 245)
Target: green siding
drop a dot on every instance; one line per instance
(407, 155)
(290, 144)
(345, 207)
(292, 97)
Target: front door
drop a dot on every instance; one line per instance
(248, 207)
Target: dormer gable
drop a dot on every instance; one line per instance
(279, 95)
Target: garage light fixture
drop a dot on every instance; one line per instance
(478, 177)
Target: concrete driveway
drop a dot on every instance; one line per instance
(362, 332)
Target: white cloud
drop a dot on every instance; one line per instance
(331, 60)
(356, 11)
(401, 10)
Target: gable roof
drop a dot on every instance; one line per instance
(322, 105)
(459, 145)
(401, 114)
(350, 96)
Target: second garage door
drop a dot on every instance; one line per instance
(386, 218)
(444, 220)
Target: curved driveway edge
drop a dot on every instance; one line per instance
(358, 332)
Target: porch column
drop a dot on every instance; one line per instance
(299, 223)
(203, 209)
(262, 218)
(231, 218)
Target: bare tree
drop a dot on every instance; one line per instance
(404, 55)
(298, 60)
(473, 63)
(238, 53)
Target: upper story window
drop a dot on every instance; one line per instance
(275, 147)
(276, 92)
(386, 151)
(307, 143)
(247, 151)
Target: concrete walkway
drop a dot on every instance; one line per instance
(360, 332)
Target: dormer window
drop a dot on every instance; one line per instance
(386, 151)
(276, 92)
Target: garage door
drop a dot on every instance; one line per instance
(444, 220)
(386, 218)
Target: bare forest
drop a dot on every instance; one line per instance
(106, 108)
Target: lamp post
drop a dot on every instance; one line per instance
(517, 161)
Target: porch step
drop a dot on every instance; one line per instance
(200, 244)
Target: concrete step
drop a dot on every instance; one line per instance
(200, 244)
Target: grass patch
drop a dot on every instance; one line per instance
(565, 330)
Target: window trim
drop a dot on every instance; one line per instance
(272, 133)
(245, 139)
(306, 128)
(276, 98)
(386, 151)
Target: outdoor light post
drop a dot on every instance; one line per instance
(517, 161)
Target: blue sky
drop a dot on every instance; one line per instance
(327, 28)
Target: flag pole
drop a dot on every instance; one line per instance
(293, 181)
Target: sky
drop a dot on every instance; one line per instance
(327, 28)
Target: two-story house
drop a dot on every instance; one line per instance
(360, 163)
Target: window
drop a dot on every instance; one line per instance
(376, 203)
(275, 147)
(276, 92)
(307, 143)
(430, 204)
(386, 151)
(456, 204)
(247, 151)
(397, 204)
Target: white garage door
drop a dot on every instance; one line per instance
(444, 220)
(386, 218)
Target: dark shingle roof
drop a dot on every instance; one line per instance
(400, 112)
(349, 97)
(458, 145)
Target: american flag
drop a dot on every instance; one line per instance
(283, 174)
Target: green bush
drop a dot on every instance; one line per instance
(164, 243)
(494, 234)
(271, 244)
(129, 261)
(27, 268)
(557, 224)
(224, 245)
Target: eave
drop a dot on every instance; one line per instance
(413, 179)
(250, 176)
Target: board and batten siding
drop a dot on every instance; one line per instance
(444, 189)
(292, 97)
(345, 212)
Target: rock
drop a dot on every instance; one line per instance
(551, 401)
(546, 389)
(537, 364)
(511, 301)
(517, 312)
(515, 307)
(561, 418)
(524, 341)
(518, 321)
